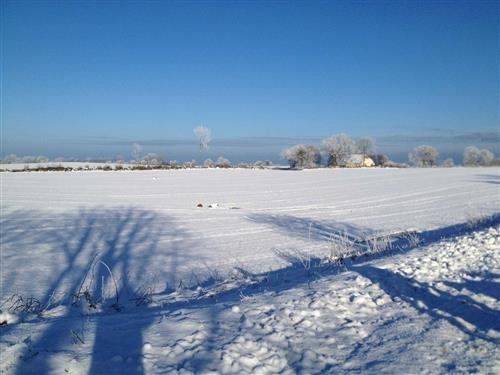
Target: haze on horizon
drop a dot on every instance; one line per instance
(89, 79)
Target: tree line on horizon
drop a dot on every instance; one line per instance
(338, 149)
(335, 151)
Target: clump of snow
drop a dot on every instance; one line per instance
(8, 318)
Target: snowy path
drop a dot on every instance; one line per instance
(433, 310)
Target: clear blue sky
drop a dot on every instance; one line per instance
(92, 77)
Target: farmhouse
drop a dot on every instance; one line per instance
(359, 160)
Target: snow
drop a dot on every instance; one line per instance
(244, 291)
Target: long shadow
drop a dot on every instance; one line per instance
(488, 178)
(487, 285)
(122, 231)
(300, 272)
(107, 252)
(311, 229)
(333, 231)
(436, 303)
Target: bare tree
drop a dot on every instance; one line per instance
(203, 134)
(338, 148)
(424, 156)
(365, 146)
(136, 152)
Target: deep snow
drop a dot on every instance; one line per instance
(253, 306)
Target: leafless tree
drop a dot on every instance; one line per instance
(136, 152)
(203, 134)
(365, 146)
(338, 149)
(424, 156)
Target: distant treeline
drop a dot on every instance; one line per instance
(342, 151)
(337, 151)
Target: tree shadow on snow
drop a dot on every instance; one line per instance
(486, 284)
(463, 312)
(487, 178)
(311, 229)
(108, 253)
(128, 242)
(303, 269)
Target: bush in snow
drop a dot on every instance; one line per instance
(222, 162)
(152, 159)
(209, 163)
(424, 156)
(338, 149)
(189, 164)
(262, 164)
(448, 163)
(13, 158)
(380, 160)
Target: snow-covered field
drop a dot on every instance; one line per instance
(241, 286)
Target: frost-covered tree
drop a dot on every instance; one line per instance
(424, 156)
(379, 159)
(203, 134)
(152, 159)
(40, 159)
(11, 158)
(313, 157)
(486, 157)
(338, 149)
(295, 155)
(222, 162)
(209, 163)
(302, 156)
(448, 163)
(365, 146)
(474, 157)
(136, 152)
(471, 156)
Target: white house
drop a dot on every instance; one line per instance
(357, 160)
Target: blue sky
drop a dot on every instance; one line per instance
(89, 78)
